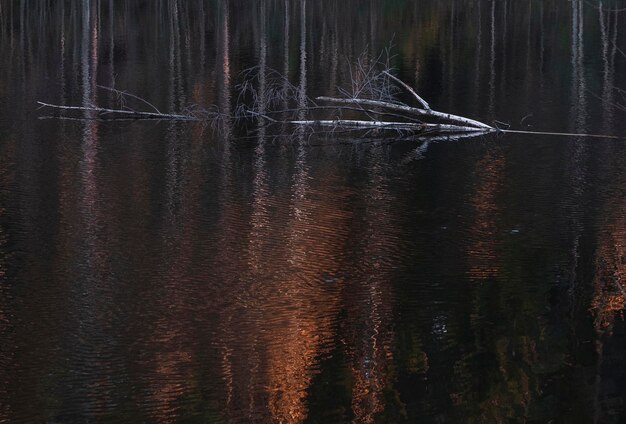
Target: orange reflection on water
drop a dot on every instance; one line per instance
(369, 300)
(482, 253)
(610, 276)
(171, 376)
(287, 294)
(298, 335)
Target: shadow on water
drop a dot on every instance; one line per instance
(169, 272)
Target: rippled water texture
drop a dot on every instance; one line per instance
(172, 272)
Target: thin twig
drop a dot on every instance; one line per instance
(139, 115)
(614, 137)
(124, 93)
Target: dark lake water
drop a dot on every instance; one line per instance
(167, 272)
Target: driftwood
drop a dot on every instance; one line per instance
(383, 125)
(371, 97)
(370, 106)
(410, 110)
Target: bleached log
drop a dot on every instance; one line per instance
(454, 128)
(383, 125)
(408, 109)
(351, 123)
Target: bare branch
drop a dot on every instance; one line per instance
(136, 114)
(124, 93)
(409, 89)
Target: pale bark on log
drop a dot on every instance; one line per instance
(383, 125)
(408, 109)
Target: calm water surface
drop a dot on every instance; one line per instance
(164, 272)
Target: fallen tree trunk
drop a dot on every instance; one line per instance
(408, 109)
(384, 125)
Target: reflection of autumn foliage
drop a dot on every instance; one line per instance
(608, 300)
(254, 273)
(372, 354)
(483, 251)
(305, 330)
(283, 318)
(284, 314)
(505, 351)
(370, 299)
(171, 374)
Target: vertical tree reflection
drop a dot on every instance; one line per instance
(578, 156)
(187, 274)
(369, 296)
(90, 346)
(483, 256)
(608, 32)
(7, 320)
